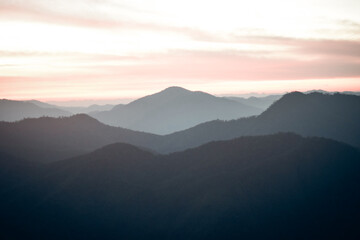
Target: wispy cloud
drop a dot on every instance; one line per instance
(100, 20)
(118, 42)
(236, 67)
(209, 65)
(54, 16)
(324, 47)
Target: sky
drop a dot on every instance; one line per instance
(58, 50)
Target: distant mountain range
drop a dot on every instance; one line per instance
(75, 110)
(168, 111)
(334, 116)
(11, 110)
(171, 110)
(259, 102)
(17, 110)
(280, 186)
(50, 139)
(174, 109)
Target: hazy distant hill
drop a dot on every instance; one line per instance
(258, 102)
(174, 109)
(327, 92)
(42, 104)
(75, 110)
(50, 139)
(334, 116)
(90, 109)
(17, 110)
(267, 101)
(267, 187)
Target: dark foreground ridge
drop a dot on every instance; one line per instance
(267, 187)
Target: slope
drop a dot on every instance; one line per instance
(173, 109)
(334, 116)
(17, 110)
(50, 139)
(280, 187)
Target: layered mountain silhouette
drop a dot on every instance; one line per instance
(333, 116)
(11, 110)
(42, 104)
(50, 139)
(17, 110)
(90, 109)
(174, 109)
(46, 139)
(280, 186)
(75, 110)
(258, 102)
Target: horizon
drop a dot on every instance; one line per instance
(116, 101)
(112, 49)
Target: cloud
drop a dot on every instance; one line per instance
(211, 66)
(350, 26)
(78, 56)
(29, 13)
(280, 57)
(306, 47)
(96, 19)
(200, 65)
(88, 13)
(341, 48)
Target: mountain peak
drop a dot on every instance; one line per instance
(82, 119)
(174, 109)
(122, 149)
(164, 95)
(82, 116)
(295, 93)
(174, 90)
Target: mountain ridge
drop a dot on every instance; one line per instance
(305, 114)
(251, 187)
(50, 139)
(11, 110)
(178, 107)
(55, 139)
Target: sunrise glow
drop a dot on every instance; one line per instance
(86, 49)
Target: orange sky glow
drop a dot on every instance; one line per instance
(121, 49)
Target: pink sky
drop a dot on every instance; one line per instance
(86, 49)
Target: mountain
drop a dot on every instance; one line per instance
(280, 186)
(352, 93)
(258, 102)
(173, 109)
(335, 116)
(49, 139)
(90, 109)
(265, 102)
(75, 110)
(326, 92)
(17, 110)
(14, 171)
(42, 104)
(332, 116)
